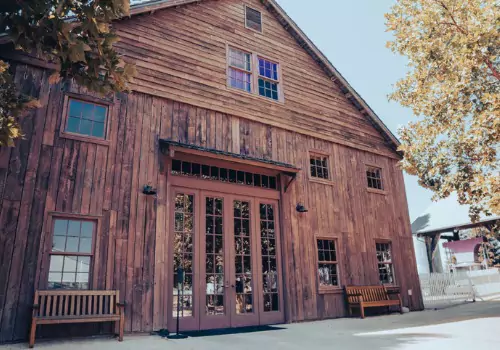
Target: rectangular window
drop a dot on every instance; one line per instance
(319, 166)
(71, 254)
(240, 70)
(253, 19)
(384, 258)
(253, 73)
(374, 177)
(327, 263)
(86, 118)
(268, 79)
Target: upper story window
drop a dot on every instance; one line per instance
(384, 258)
(240, 69)
(268, 79)
(254, 73)
(327, 263)
(86, 118)
(71, 254)
(319, 166)
(253, 19)
(374, 177)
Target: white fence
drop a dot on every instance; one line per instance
(445, 289)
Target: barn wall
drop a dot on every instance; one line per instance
(48, 173)
(180, 53)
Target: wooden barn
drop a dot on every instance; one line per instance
(241, 155)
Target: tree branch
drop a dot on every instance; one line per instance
(492, 68)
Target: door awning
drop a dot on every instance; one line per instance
(169, 147)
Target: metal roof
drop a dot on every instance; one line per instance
(166, 143)
(446, 215)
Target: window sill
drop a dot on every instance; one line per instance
(374, 190)
(321, 181)
(82, 138)
(251, 94)
(332, 290)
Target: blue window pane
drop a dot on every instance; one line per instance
(275, 95)
(60, 227)
(249, 87)
(73, 124)
(88, 111)
(85, 127)
(98, 130)
(262, 92)
(262, 71)
(100, 114)
(87, 229)
(74, 228)
(261, 83)
(268, 85)
(75, 108)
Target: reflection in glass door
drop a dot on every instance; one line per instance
(243, 258)
(183, 254)
(214, 256)
(270, 280)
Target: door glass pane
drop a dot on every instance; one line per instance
(269, 258)
(243, 257)
(214, 256)
(183, 254)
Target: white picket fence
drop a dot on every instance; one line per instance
(446, 289)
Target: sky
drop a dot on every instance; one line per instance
(352, 35)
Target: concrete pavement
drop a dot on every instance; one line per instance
(460, 327)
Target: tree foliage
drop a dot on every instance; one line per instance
(74, 34)
(453, 86)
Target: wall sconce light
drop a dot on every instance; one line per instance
(149, 190)
(301, 209)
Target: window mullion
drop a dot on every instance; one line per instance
(255, 75)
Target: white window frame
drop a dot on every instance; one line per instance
(254, 73)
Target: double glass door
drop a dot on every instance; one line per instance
(228, 247)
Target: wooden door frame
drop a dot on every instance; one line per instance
(215, 321)
(242, 320)
(271, 317)
(192, 323)
(199, 187)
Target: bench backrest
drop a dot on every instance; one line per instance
(71, 303)
(369, 293)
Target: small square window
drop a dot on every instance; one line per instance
(319, 166)
(374, 177)
(86, 118)
(253, 19)
(327, 263)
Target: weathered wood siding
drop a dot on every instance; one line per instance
(180, 54)
(180, 94)
(46, 172)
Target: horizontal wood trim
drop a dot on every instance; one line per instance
(90, 139)
(376, 191)
(216, 186)
(336, 290)
(321, 181)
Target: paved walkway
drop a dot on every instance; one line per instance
(462, 327)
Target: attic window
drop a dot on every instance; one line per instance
(253, 19)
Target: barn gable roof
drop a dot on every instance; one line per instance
(145, 6)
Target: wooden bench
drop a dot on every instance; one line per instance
(371, 296)
(76, 306)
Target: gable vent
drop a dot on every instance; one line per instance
(253, 19)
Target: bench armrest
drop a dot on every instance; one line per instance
(120, 304)
(393, 292)
(35, 307)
